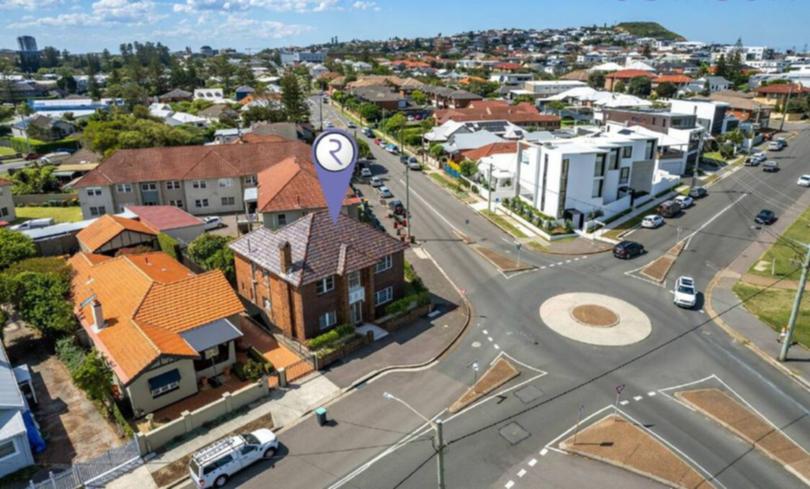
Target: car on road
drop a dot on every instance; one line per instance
(652, 221)
(770, 166)
(212, 222)
(328, 124)
(765, 216)
(33, 224)
(385, 192)
(396, 207)
(803, 181)
(378, 141)
(367, 132)
(669, 208)
(685, 201)
(376, 182)
(414, 165)
(755, 159)
(684, 292)
(628, 249)
(698, 192)
(351, 125)
(213, 465)
(777, 145)
(403, 159)
(391, 148)
(366, 173)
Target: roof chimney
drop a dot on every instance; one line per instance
(98, 316)
(284, 256)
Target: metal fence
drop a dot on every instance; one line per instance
(95, 473)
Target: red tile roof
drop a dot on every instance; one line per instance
(164, 217)
(490, 149)
(782, 89)
(629, 74)
(107, 227)
(508, 66)
(291, 184)
(484, 110)
(676, 79)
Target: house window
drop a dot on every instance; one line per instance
(383, 296)
(354, 279)
(384, 264)
(563, 187)
(7, 449)
(250, 179)
(173, 185)
(164, 383)
(201, 203)
(624, 175)
(148, 186)
(325, 285)
(176, 203)
(599, 168)
(93, 191)
(4, 211)
(597, 187)
(124, 188)
(327, 320)
(281, 219)
(627, 152)
(97, 210)
(650, 149)
(199, 184)
(225, 182)
(228, 201)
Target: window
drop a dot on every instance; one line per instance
(250, 179)
(354, 279)
(225, 182)
(384, 264)
(176, 203)
(93, 191)
(563, 187)
(148, 187)
(173, 185)
(614, 159)
(201, 203)
(268, 306)
(97, 210)
(599, 167)
(650, 149)
(281, 219)
(627, 152)
(228, 201)
(124, 188)
(383, 296)
(624, 175)
(164, 383)
(7, 449)
(597, 187)
(199, 184)
(327, 320)
(543, 188)
(4, 211)
(325, 285)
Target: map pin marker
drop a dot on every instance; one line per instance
(334, 154)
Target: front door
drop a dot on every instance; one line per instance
(357, 312)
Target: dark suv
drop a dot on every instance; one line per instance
(765, 216)
(628, 249)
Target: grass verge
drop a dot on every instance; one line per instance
(503, 224)
(786, 257)
(772, 306)
(59, 214)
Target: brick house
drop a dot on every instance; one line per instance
(312, 275)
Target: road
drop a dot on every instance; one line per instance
(684, 347)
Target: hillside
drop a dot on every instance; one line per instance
(649, 29)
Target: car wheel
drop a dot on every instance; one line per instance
(221, 481)
(270, 453)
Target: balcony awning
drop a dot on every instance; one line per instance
(211, 334)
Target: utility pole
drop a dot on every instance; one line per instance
(784, 107)
(794, 312)
(490, 190)
(321, 101)
(407, 189)
(697, 161)
(440, 452)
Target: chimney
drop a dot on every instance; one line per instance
(98, 316)
(284, 256)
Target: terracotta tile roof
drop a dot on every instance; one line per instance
(782, 89)
(676, 79)
(319, 247)
(292, 185)
(628, 74)
(140, 297)
(164, 217)
(107, 227)
(508, 66)
(490, 149)
(482, 110)
(189, 162)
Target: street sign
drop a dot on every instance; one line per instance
(619, 388)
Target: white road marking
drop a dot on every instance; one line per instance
(624, 403)
(509, 484)
(543, 267)
(521, 473)
(688, 238)
(567, 261)
(551, 266)
(486, 332)
(552, 442)
(532, 462)
(496, 346)
(651, 393)
(489, 338)
(543, 452)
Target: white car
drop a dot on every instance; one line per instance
(803, 181)
(215, 464)
(652, 221)
(685, 201)
(685, 293)
(376, 182)
(42, 222)
(212, 222)
(385, 192)
(365, 173)
(776, 145)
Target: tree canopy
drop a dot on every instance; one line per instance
(106, 133)
(14, 247)
(211, 252)
(640, 86)
(292, 98)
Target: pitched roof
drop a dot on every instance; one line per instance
(164, 217)
(107, 227)
(292, 185)
(677, 79)
(490, 149)
(482, 110)
(629, 74)
(140, 296)
(187, 162)
(320, 248)
(783, 89)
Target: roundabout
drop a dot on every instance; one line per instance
(595, 319)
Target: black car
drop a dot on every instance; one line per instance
(765, 216)
(396, 207)
(698, 192)
(628, 249)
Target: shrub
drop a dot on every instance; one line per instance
(252, 369)
(331, 337)
(168, 245)
(69, 353)
(402, 305)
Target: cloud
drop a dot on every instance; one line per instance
(238, 25)
(299, 6)
(365, 5)
(27, 4)
(102, 12)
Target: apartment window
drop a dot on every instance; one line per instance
(176, 203)
(98, 210)
(250, 179)
(199, 184)
(614, 159)
(325, 285)
(225, 182)
(7, 449)
(173, 185)
(148, 187)
(545, 177)
(563, 187)
(384, 264)
(354, 279)
(4, 211)
(93, 191)
(228, 201)
(627, 152)
(599, 168)
(597, 187)
(383, 296)
(624, 175)
(327, 320)
(201, 203)
(124, 188)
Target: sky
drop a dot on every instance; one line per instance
(92, 25)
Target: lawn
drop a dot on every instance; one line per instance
(626, 225)
(503, 224)
(787, 258)
(772, 306)
(59, 214)
(6, 151)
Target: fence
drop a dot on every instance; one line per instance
(96, 472)
(38, 199)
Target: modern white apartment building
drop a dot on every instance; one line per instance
(546, 88)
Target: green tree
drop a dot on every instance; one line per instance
(94, 376)
(596, 79)
(14, 247)
(363, 148)
(418, 97)
(640, 86)
(67, 83)
(619, 87)
(666, 90)
(721, 67)
(261, 114)
(211, 252)
(292, 98)
(436, 150)
(41, 300)
(556, 105)
(468, 168)
(369, 111)
(523, 98)
(394, 123)
(106, 133)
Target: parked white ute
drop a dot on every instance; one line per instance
(215, 464)
(685, 293)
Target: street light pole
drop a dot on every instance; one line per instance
(794, 312)
(784, 107)
(438, 428)
(489, 193)
(320, 111)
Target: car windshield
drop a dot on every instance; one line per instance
(250, 439)
(685, 289)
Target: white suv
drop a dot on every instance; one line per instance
(685, 293)
(215, 464)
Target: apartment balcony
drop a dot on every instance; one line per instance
(356, 294)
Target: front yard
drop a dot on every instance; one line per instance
(59, 214)
(772, 306)
(783, 258)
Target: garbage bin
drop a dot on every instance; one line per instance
(320, 414)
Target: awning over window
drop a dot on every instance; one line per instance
(250, 194)
(211, 334)
(164, 379)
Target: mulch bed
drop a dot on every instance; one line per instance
(594, 316)
(504, 263)
(659, 268)
(497, 375)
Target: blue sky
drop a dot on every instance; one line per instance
(91, 25)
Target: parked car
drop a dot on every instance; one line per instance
(378, 141)
(391, 148)
(212, 222)
(628, 249)
(32, 156)
(215, 464)
(366, 173)
(385, 193)
(414, 165)
(770, 166)
(684, 292)
(685, 201)
(54, 158)
(803, 181)
(328, 124)
(765, 216)
(368, 132)
(777, 145)
(376, 182)
(33, 224)
(669, 208)
(652, 221)
(396, 207)
(698, 192)
(351, 125)
(403, 159)
(755, 159)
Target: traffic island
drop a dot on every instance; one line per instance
(658, 269)
(501, 372)
(504, 264)
(732, 415)
(617, 441)
(596, 319)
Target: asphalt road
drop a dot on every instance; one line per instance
(684, 347)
